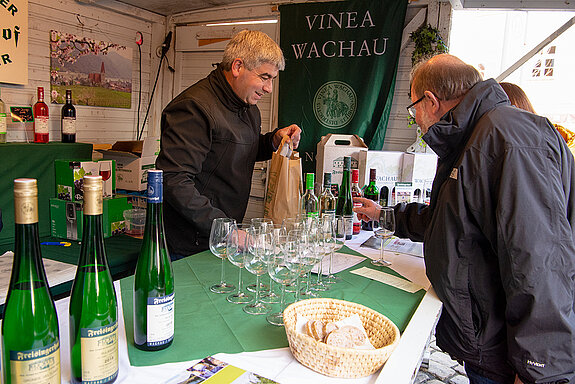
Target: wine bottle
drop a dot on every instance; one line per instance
(355, 192)
(154, 277)
(309, 204)
(384, 196)
(68, 120)
(344, 206)
(371, 192)
(41, 114)
(327, 200)
(2, 122)
(30, 337)
(93, 303)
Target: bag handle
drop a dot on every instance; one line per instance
(284, 139)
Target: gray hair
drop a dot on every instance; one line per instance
(446, 76)
(254, 48)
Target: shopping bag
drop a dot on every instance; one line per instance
(284, 184)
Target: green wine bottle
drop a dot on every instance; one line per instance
(154, 278)
(344, 206)
(30, 337)
(93, 304)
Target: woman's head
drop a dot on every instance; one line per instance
(517, 96)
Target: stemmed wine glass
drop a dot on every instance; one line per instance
(303, 260)
(221, 228)
(261, 250)
(386, 230)
(279, 271)
(238, 245)
(325, 242)
(339, 228)
(106, 173)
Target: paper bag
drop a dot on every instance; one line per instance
(284, 184)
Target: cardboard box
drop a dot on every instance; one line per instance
(419, 169)
(331, 150)
(66, 217)
(137, 199)
(133, 159)
(388, 166)
(69, 177)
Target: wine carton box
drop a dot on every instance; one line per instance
(66, 217)
(133, 159)
(70, 182)
(331, 150)
(387, 165)
(419, 169)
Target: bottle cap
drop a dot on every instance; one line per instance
(25, 201)
(309, 180)
(327, 178)
(155, 178)
(346, 163)
(355, 175)
(372, 174)
(93, 195)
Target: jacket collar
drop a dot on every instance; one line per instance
(224, 91)
(456, 126)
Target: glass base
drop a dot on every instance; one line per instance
(270, 298)
(222, 288)
(263, 287)
(276, 319)
(308, 294)
(257, 309)
(291, 288)
(331, 279)
(240, 298)
(319, 287)
(381, 263)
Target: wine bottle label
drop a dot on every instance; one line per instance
(69, 125)
(25, 209)
(99, 353)
(160, 311)
(41, 124)
(36, 366)
(2, 123)
(348, 226)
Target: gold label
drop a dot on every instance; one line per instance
(99, 353)
(93, 202)
(25, 210)
(36, 366)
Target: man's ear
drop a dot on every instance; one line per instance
(237, 65)
(435, 105)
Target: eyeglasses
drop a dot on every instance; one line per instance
(411, 107)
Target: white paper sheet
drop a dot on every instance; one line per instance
(388, 279)
(341, 261)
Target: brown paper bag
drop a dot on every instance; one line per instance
(284, 185)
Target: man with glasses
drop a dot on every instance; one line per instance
(211, 140)
(499, 231)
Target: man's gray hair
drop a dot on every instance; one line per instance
(446, 76)
(254, 48)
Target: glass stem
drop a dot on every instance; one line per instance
(381, 250)
(240, 282)
(298, 287)
(223, 277)
(330, 272)
(257, 299)
(283, 299)
(319, 271)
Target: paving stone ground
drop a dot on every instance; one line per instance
(441, 370)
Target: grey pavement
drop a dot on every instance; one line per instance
(439, 368)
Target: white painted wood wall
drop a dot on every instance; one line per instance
(118, 24)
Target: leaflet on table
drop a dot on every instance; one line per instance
(388, 279)
(341, 261)
(218, 372)
(396, 245)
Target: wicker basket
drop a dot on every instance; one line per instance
(336, 361)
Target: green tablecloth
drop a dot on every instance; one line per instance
(207, 324)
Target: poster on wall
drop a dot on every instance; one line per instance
(99, 73)
(14, 42)
(341, 63)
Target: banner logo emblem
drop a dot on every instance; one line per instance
(334, 104)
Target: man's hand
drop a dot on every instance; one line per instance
(293, 132)
(517, 380)
(369, 209)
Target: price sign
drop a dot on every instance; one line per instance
(22, 114)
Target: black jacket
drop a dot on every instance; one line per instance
(499, 239)
(210, 142)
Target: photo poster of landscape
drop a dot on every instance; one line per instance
(99, 73)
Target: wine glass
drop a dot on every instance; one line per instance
(325, 241)
(386, 230)
(312, 251)
(264, 225)
(106, 173)
(269, 295)
(279, 271)
(303, 260)
(260, 253)
(238, 243)
(221, 228)
(339, 229)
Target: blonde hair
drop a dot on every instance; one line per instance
(517, 96)
(446, 76)
(254, 48)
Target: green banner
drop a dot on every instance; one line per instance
(341, 62)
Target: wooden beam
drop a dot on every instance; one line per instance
(415, 23)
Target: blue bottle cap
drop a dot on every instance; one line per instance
(155, 177)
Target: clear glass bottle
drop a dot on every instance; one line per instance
(93, 303)
(154, 277)
(30, 337)
(41, 115)
(327, 200)
(344, 206)
(3, 121)
(309, 204)
(68, 120)
(355, 192)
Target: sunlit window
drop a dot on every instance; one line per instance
(544, 64)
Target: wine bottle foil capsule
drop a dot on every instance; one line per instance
(154, 192)
(25, 201)
(93, 204)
